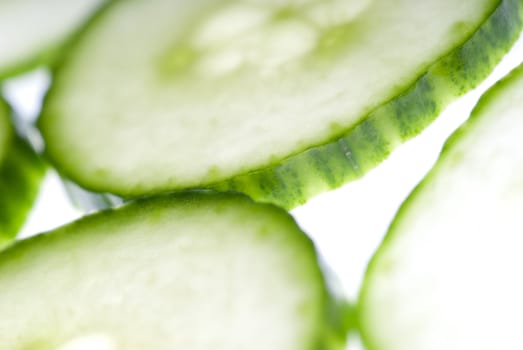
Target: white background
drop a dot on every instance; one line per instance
(347, 224)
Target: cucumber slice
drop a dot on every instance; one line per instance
(21, 172)
(159, 95)
(5, 129)
(194, 271)
(32, 32)
(447, 275)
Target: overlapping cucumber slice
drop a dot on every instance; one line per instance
(277, 99)
(21, 172)
(32, 32)
(448, 275)
(193, 271)
(5, 130)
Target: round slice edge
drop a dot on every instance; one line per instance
(199, 101)
(447, 276)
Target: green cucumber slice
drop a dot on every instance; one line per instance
(286, 98)
(32, 32)
(5, 129)
(447, 275)
(21, 173)
(193, 271)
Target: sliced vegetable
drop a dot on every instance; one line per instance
(448, 275)
(21, 172)
(287, 98)
(5, 130)
(32, 32)
(217, 271)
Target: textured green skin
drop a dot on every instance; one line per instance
(350, 153)
(331, 329)
(410, 203)
(21, 173)
(349, 156)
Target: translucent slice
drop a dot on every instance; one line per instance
(448, 275)
(32, 31)
(165, 95)
(195, 271)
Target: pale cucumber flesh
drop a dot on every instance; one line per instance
(160, 95)
(448, 275)
(33, 31)
(194, 271)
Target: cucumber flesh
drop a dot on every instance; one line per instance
(194, 271)
(447, 276)
(206, 91)
(21, 173)
(32, 31)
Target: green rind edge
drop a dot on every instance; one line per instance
(348, 156)
(296, 179)
(491, 95)
(46, 57)
(21, 173)
(6, 131)
(331, 328)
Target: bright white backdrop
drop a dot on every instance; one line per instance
(347, 224)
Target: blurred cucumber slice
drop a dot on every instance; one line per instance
(193, 271)
(280, 100)
(448, 274)
(5, 130)
(21, 172)
(32, 32)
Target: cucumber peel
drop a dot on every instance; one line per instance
(218, 270)
(447, 275)
(33, 32)
(275, 100)
(349, 156)
(21, 172)
(5, 130)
